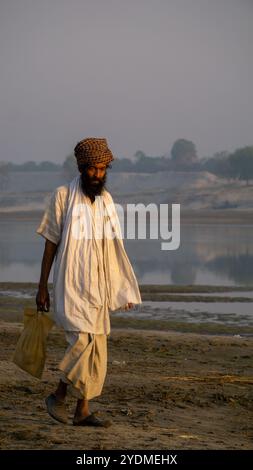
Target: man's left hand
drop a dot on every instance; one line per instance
(129, 305)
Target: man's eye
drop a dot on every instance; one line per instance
(93, 168)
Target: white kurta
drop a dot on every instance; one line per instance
(92, 275)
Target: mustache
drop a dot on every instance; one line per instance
(96, 179)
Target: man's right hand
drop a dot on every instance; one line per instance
(43, 299)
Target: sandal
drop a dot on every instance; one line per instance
(56, 409)
(92, 420)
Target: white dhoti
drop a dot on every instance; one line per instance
(84, 365)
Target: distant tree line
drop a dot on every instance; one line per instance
(234, 166)
(33, 166)
(182, 157)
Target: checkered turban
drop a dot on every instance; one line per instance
(93, 150)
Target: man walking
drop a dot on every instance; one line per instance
(92, 276)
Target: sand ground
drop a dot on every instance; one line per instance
(164, 390)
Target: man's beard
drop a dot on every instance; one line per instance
(92, 186)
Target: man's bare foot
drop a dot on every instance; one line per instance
(82, 410)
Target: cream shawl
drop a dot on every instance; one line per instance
(74, 257)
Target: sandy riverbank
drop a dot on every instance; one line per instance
(164, 390)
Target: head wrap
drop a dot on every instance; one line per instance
(93, 150)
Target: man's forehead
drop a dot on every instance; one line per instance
(98, 165)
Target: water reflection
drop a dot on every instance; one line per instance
(208, 254)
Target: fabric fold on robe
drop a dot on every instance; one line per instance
(73, 308)
(84, 365)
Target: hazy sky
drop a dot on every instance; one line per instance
(140, 72)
